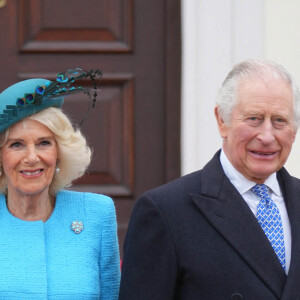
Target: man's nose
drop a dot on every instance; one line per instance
(266, 135)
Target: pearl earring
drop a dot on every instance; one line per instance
(57, 169)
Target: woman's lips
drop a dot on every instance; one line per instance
(32, 173)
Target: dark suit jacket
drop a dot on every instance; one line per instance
(196, 238)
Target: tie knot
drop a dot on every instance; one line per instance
(261, 190)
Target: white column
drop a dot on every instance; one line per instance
(216, 34)
(282, 45)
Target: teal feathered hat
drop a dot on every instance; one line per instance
(30, 96)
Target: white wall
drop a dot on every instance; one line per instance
(217, 34)
(282, 44)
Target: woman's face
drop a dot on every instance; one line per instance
(29, 158)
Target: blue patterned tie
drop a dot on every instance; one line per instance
(269, 219)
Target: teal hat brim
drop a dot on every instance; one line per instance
(30, 96)
(11, 112)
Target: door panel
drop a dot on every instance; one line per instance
(75, 25)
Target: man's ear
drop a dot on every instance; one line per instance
(221, 125)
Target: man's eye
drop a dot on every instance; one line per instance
(253, 121)
(279, 122)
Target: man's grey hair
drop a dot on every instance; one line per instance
(227, 97)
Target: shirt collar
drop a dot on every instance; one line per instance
(241, 183)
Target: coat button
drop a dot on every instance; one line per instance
(236, 296)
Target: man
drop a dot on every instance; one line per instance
(232, 229)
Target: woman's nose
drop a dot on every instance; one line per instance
(31, 155)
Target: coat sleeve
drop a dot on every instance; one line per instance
(149, 268)
(109, 255)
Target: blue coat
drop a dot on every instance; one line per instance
(196, 238)
(50, 261)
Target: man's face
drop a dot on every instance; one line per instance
(260, 136)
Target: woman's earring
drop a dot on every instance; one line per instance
(57, 169)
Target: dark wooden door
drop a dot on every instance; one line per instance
(135, 125)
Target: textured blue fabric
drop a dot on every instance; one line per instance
(49, 261)
(269, 219)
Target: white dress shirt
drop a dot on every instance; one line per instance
(243, 185)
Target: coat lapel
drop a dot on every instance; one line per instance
(291, 190)
(226, 210)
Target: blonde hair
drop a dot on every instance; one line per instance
(74, 154)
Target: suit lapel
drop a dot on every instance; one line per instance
(226, 210)
(291, 191)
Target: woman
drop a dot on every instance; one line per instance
(54, 243)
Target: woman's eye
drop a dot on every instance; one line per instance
(15, 145)
(45, 143)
